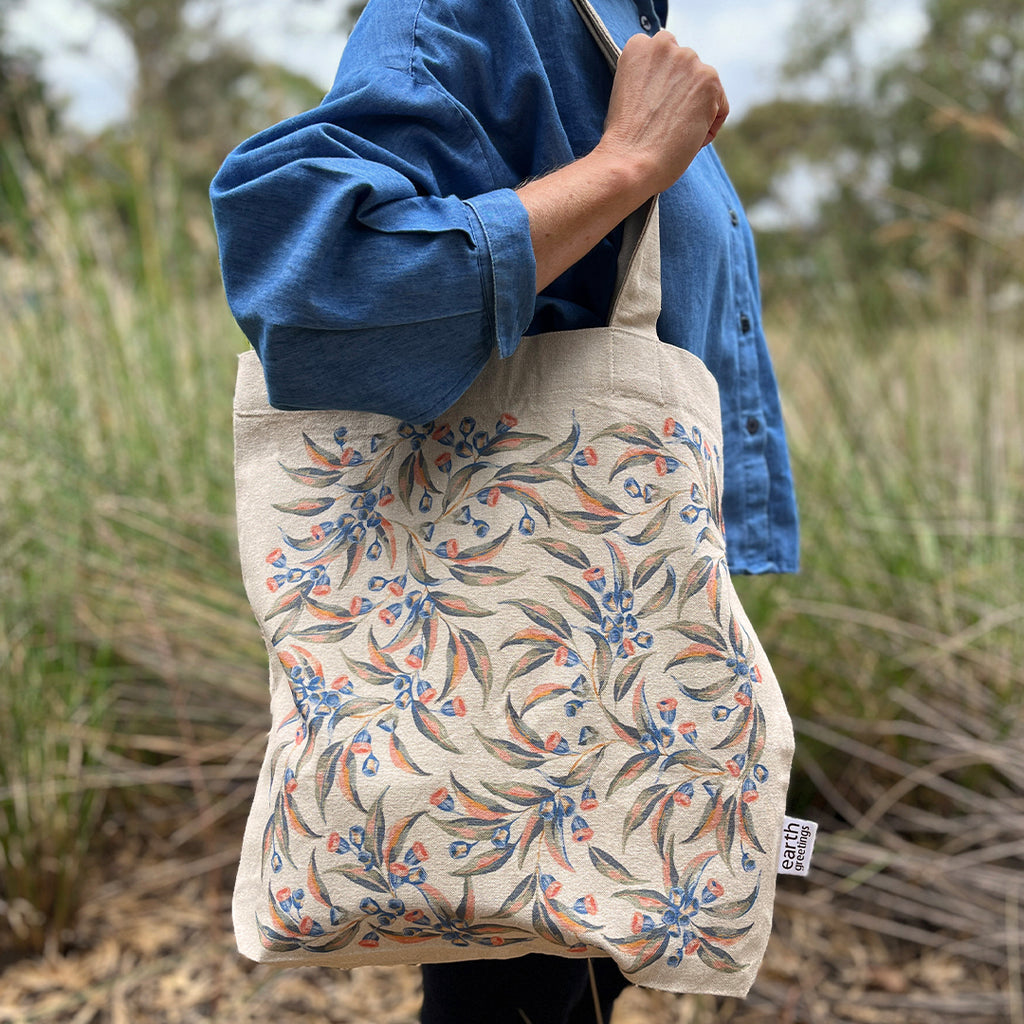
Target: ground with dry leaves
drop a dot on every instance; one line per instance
(154, 946)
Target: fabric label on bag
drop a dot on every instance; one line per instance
(797, 846)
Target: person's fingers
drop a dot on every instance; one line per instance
(716, 124)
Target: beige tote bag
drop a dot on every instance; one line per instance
(516, 705)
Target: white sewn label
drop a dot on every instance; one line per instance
(797, 846)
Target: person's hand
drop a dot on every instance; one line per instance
(666, 105)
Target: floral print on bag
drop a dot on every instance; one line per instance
(515, 667)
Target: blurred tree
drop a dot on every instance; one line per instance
(954, 131)
(27, 110)
(923, 154)
(197, 93)
(195, 89)
(21, 84)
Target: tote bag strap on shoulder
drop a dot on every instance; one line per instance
(636, 301)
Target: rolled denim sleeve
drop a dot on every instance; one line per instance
(503, 239)
(368, 254)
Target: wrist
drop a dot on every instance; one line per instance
(628, 176)
(573, 208)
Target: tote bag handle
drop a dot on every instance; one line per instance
(636, 300)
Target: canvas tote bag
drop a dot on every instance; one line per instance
(516, 705)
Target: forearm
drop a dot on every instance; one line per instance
(573, 208)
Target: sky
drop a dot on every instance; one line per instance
(89, 63)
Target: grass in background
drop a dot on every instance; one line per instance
(901, 644)
(132, 693)
(125, 641)
(909, 462)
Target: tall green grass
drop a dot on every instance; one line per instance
(909, 462)
(131, 673)
(125, 641)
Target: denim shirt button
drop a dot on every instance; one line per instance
(645, 23)
(753, 425)
(744, 323)
(734, 218)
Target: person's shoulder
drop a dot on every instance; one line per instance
(490, 20)
(436, 35)
(452, 13)
(470, 18)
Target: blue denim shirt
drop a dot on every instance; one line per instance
(374, 251)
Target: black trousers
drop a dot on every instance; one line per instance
(531, 989)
